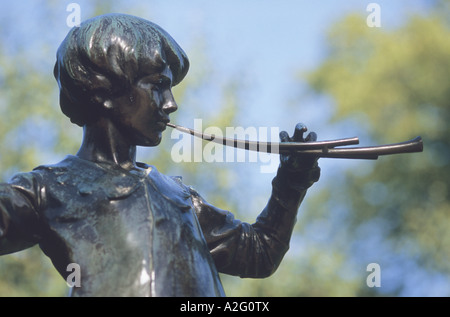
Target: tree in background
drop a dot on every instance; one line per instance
(396, 84)
(391, 85)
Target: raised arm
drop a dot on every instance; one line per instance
(256, 250)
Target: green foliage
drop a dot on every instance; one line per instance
(397, 82)
(394, 211)
(31, 131)
(30, 273)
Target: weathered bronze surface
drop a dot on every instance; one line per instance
(132, 230)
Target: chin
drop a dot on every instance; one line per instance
(149, 142)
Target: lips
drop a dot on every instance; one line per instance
(161, 125)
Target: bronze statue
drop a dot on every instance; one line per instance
(132, 230)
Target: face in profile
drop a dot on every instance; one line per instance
(142, 114)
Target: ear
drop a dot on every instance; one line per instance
(102, 101)
(107, 104)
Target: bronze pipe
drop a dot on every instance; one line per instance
(320, 148)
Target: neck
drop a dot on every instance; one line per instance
(103, 143)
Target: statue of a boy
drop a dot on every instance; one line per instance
(132, 230)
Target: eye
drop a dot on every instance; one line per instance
(145, 84)
(155, 88)
(154, 80)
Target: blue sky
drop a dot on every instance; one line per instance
(262, 44)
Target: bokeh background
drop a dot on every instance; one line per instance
(272, 63)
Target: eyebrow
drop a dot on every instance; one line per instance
(156, 79)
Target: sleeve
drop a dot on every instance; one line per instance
(19, 219)
(255, 250)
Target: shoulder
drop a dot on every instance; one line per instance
(69, 163)
(70, 169)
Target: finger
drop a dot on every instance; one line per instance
(284, 136)
(312, 137)
(300, 128)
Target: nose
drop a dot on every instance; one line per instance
(169, 104)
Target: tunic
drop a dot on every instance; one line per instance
(140, 233)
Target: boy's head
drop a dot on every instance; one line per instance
(105, 56)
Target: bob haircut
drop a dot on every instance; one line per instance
(105, 55)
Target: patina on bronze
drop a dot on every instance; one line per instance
(132, 230)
